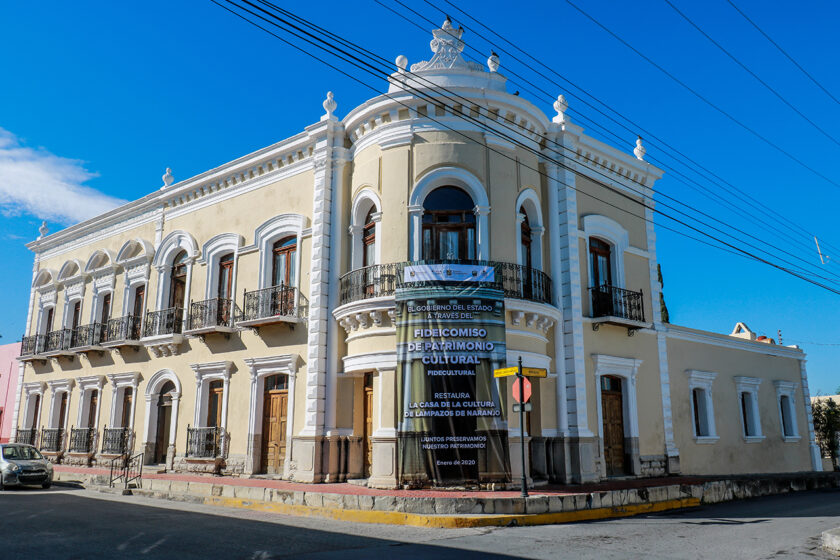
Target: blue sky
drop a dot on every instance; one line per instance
(98, 98)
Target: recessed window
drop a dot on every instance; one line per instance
(702, 406)
(785, 393)
(178, 281)
(283, 265)
(599, 255)
(369, 239)
(749, 415)
(448, 225)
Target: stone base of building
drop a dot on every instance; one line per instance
(79, 459)
(344, 458)
(583, 460)
(53, 457)
(383, 468)
(309, 456)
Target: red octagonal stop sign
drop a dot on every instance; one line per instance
(526, 389)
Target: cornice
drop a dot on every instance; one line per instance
(726, 341)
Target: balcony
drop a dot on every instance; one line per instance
(516, 281)
(115, 441)
(58, 343)
(32, 347)
(52, 440)
(164, 322)
(87, 338)
(82, 440)
(617, 306)
(162, 331)
(204, 443)
(212, 315)
(122, 331)
(29, 436)
(277, 304)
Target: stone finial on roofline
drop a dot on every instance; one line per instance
(493, 62)
(329, 105)
(402, 63)
(639, 150)
(43, 230)
(560, 106)
(167, 178)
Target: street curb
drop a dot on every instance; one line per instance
(454, 521)
(831, 541)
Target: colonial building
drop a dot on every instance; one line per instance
(249, 319)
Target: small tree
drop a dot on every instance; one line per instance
(827, 427)
(662, 307)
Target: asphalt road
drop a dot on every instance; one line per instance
(67, 523)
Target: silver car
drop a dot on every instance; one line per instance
(23, 464)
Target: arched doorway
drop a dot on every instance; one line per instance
(612, 410)
(274, 423)
(164, 422)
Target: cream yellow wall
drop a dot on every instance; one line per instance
(614, 206)
(730, 454)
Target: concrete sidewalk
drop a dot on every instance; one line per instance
(456, 508)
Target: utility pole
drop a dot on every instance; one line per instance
(521, 379)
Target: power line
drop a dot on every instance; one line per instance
(687, 181)
(751, 73)
(781, 50)
(433, 86)
(715, 179)
(703, 98)
(343, 55)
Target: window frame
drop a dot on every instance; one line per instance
(703, 381)
(749, 386)
(787, 389)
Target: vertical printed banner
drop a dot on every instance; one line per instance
(450, 323)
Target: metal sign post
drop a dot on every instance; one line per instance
(521, 379)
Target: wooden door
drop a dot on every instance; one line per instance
(77, 315)
(106, 309)
(62, 411)
(49, 322)
(36, 412)
(139, 300)
(214, 404)
(368, 407)
(128, 397)
(94, 402)
(274, 430)
(163, 424)
(613, 421)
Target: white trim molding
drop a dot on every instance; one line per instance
(606, 229)
(529, 199)
(87, 385)
(787, 389)
(212, 252)
(702, 380)
(120, 382)
(57, 387)
(441, 177)
(749, 385)
(204, 374)
(365, 199)
(270, 231)
(627, 369)
(260, 368)
(29, 390)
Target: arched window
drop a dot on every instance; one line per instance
(178, 280)
(525, 239)
(283, 265)
(369, 239)
(599, 255)
(448, 225)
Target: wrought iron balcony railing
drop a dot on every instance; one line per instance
(32, 345)
(275, 302)
(87, 335)
(122, 329)
(58, 341)
(203, 443)
(516, 281)
(163, 322)
(611, 301)
(81, 440)
(115, 441)
(52, 439)
(29, 436)
(211, 313)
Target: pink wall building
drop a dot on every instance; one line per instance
(8, 388)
